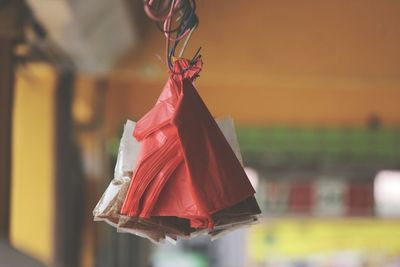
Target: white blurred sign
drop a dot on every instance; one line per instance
(329, 197)
(387, 193)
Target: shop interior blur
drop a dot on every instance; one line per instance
(313, 87)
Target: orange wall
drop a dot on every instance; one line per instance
(283, 62)
(354, 40)
(258, 105)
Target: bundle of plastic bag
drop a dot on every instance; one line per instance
(187, 176)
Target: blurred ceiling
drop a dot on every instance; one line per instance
(93, 33)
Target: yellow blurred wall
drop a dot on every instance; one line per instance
(296, 237)
(32, 201)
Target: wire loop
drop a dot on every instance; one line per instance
(177, 19)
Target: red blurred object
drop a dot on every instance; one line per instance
(186, 168)
(360, 199)
(301, 197)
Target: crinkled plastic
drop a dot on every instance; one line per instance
(107, 209)
(188, 177)
(110, 203)
(186, 167)
(128, 152)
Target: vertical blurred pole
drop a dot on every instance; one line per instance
(6, 100)
(69, 177)
(11, 15)
(91, 92)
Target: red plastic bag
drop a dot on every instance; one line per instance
(186, 168)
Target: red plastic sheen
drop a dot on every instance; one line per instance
(186, 168)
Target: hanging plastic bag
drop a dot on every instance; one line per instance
(156, 231)
(186, 168)
(109, 205)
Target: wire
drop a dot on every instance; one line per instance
(177, 19)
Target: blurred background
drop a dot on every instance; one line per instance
(314, 89)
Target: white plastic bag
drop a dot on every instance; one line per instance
(107, 209)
